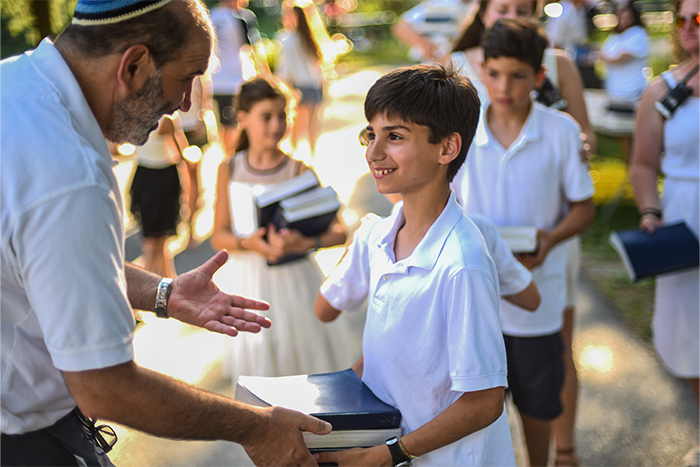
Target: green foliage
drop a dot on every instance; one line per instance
(608, 218)
(19, 25)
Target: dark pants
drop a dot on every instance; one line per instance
(65, 443)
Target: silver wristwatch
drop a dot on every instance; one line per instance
(162, 295)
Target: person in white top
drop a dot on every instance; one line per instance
(430, 27)
(299, 63)
(432, 343)
(625, 53)
(237, 39)
(66, 292)
(675, 322)
(568, 31)
(523, 168)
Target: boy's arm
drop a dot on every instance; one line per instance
(324, 310)
(580, 215)
(529, 298)
(472, 412)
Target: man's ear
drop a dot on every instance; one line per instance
(540, 76)
(135, 66)
(450, 148)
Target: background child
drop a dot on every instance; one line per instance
(297, 343)
(524, 169)
(432, 343)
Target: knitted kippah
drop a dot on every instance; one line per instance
(96, 12)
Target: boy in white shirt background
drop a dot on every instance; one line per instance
(523, 168)
(432, 345)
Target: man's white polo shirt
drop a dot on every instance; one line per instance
(64, 304)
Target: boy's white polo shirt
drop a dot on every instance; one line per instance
(530, 183)
(432, 330)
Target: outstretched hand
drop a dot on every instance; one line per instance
(196, 300)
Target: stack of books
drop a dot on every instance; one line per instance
(520, 238)
(670, 248)
(358, 417)
(299, 203)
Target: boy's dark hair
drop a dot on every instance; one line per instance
(516, 38)
(165, 31)
(436, 97)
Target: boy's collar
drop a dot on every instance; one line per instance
(428, 250)
(531, 131)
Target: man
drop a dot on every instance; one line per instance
(67, 295)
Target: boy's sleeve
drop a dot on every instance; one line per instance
(577, 184)
(476, 350)
(348, 284)
(513, 277)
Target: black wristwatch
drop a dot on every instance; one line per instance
(398, 458)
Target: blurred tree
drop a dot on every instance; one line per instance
(26, 22)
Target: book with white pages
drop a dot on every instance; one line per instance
(520, 238)
(291, 187)
(308, 198)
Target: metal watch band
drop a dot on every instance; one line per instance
(397, 455)
(162, 295)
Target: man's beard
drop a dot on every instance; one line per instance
(135, 116)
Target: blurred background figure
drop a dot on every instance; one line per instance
(430, 27)
(625, 53)
(299, 63)
(569, 31)
(298, 343)
(155, 193)
(199, 126)
(675, 324)
(239, 55)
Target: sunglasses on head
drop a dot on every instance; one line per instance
(681, 20)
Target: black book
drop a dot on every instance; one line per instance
(671, 248)
(268, 201)
(359, 418)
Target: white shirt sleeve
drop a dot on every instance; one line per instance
(71, 260)
(513, 277)
(577, 184)
(473, 329)
(347, 286)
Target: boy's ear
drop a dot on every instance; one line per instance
(451, 146)
(540, 76)
(135, 66)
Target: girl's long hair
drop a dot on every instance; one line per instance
(304, 28)
(253, 91)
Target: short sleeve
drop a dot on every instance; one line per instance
(576, 181)
(70, 255)
(638, 44)
(415, 15)
(476, 350)
(348, 284)
(513, 277)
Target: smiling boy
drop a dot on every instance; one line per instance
(524, 169)
(432, 345)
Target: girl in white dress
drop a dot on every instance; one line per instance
(297, 343)
(675, 323)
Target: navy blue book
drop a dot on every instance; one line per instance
(340, 398)
(671, 248)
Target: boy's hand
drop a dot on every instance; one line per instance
(376, 456)
(544, 244)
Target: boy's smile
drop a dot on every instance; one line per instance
(509, 82)
(400, 156)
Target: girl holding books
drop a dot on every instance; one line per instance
(297, 342)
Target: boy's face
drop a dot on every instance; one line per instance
(509, 82)
(401, 158)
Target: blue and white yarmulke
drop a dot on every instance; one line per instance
(96, 12)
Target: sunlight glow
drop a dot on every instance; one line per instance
(598, 358)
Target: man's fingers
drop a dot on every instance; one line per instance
(315, 425)
(248, 303)
(214, 263)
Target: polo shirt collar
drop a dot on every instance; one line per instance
(532, 130)
(51, 66)
(428, 250)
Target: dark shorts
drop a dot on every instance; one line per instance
(57, 445)
(227, 113)
(310, 95)
(536, 374)
(155, 200)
